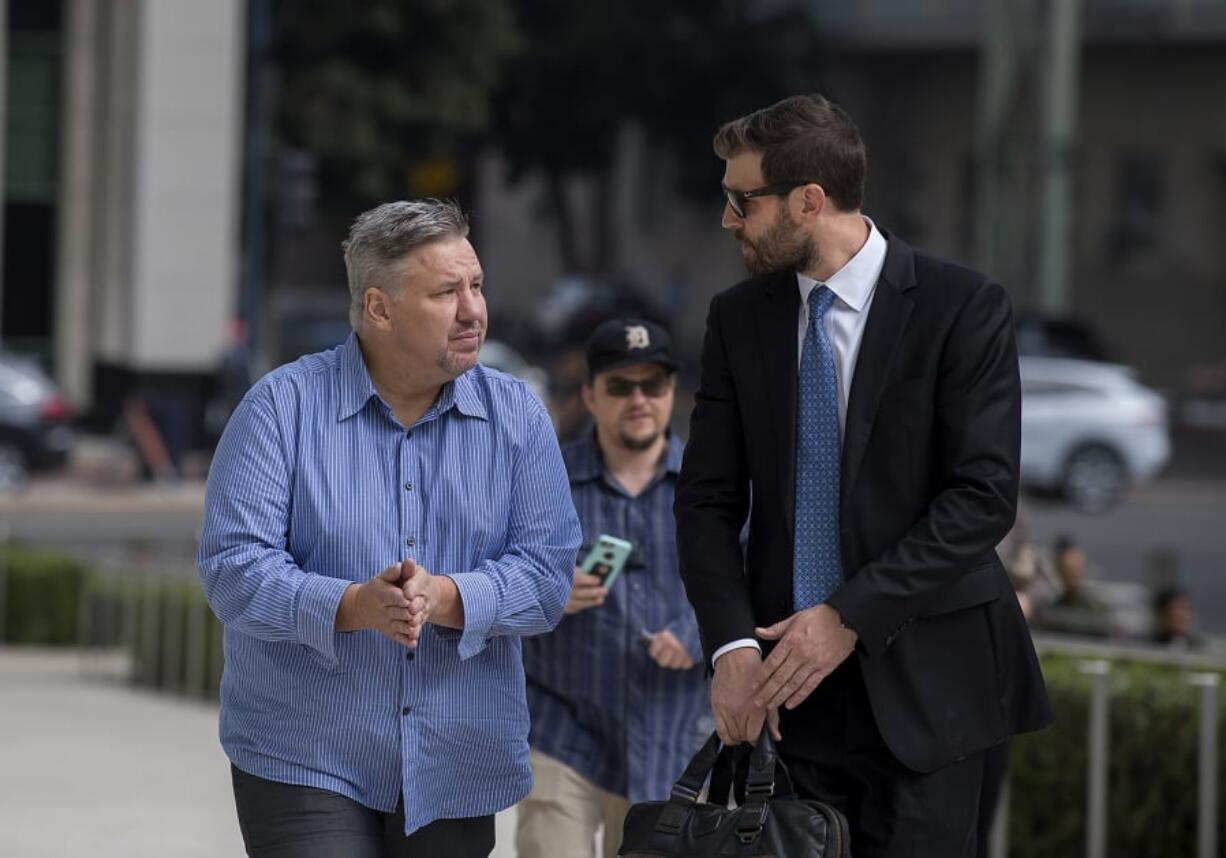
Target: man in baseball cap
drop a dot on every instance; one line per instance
(617, 692)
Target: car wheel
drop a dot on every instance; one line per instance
(1095, 478)
(13, 471)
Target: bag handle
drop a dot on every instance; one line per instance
(720, 762)
(759, 787)
(689, 785)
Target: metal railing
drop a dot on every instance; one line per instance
(1095, 660)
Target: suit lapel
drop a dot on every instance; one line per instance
(887, 319)
(777, 320)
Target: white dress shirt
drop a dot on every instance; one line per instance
(853, 286)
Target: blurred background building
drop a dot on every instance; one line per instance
(121, 187)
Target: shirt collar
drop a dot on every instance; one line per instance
(588, 464)
(353, 380)
(462, 392)
(854, 282)
(356, 388)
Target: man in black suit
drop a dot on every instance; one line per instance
(860, 406)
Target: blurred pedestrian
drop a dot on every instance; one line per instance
(1076, 610)
(617, 692)
(383, 522)
(1034, 582)
(1174, 620)
(860, 405)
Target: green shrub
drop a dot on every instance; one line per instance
(1152, 774)
(42, 595)
(176, 640)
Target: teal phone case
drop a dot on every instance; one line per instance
(610, 553)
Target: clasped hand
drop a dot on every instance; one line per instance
(397, 602)
(747, 691)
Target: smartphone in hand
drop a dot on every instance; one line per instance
(607, 559)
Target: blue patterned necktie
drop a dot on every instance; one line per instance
(817, 571)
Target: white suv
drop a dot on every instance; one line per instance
(1089, 430)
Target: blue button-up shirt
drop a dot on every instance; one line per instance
(599, 703)
(316, 485)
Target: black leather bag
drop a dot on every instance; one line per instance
(771, 822)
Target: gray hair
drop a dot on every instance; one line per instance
(381, 238)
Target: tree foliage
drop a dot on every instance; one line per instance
(677, 69)
(374, 88)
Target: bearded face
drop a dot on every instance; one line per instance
(782, 246)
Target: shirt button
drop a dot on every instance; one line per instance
(409, 656)
(410, 542)
(408, 487)
(404, 711)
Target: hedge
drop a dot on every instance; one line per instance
(1152, 774)
(41, 595)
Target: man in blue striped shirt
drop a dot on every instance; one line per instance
(383, 522)
(617, 693)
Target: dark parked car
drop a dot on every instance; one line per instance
(35, 422)
(1046, 336)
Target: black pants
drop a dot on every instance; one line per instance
(286, 821)
(893, 811)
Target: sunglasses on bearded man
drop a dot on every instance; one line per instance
(737, 199)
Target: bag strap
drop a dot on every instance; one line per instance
(764, 772)
(685, 791)
(689, 785)
(724, 775)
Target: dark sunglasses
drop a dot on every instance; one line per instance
(621, 387)
(736, 199)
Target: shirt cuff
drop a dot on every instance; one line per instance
(737, 644)
(480, 603)
(319, 597)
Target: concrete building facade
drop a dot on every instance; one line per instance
(135, 164)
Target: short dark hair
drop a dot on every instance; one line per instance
(1063, 543)
(1167, 595)
(803, 138)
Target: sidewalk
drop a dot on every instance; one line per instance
(90, 766)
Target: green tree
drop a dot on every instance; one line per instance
(388, 95)
(678, 69)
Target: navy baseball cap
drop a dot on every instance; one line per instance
(625, 341)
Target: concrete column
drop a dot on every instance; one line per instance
(185, 184)
(4, 88)
(75, 256)
(112, 208)
(1059, 131)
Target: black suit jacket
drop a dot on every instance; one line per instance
(929, 488)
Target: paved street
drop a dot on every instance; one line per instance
(89, 766)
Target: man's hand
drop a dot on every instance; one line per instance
(432, 599)
(378, 604)
(812, 643)
(587, 593)
(737, 717)
(668, 652)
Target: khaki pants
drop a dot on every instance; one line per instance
(559, 818)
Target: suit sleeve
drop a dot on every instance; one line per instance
(978, 440)
(712, 501)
